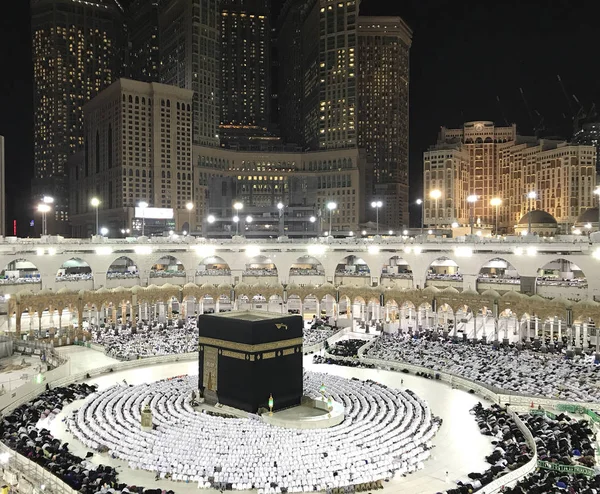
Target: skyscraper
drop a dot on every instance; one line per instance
(245, 63)
(142, 23)
(383, 52)
(76, 53)
(189, 32)
(320, 37)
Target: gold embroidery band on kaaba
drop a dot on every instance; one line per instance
(244, 347)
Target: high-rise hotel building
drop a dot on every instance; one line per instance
(245, 65)
(138, 148)
(190, 58)
(383, 48)
(76, 54)
(343, 84)
(143, 40)
(489, 162)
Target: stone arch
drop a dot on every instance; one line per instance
(351, 268)
(20, 271)
(259, 266)
(397, 267)
(561, 272)
(167, 266)
(122, 267)
(307, 266)
(213, 266)
(443, 272)
(74, 269)
(498, 274)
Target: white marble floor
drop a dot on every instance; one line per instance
(82, 359)
(459, 448)
(12, 375)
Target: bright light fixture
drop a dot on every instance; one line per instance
(253, 250)
(103, 230)
(39, 252)
(317, 250)
(143, 250)
(463, 251)
(189, 206)
(51, 251)
(95, 202)
(455, 225)
(373, 249)
(211, 218)
(435, 194)
(104, 251)
(279, 205)
(331, 206)
(472, 198)
(531, 251)
(205, 250)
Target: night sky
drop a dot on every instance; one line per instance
(465, 54)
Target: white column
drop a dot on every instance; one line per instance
(559, 330)
(584, 341)
(577, 336)
(537, 327)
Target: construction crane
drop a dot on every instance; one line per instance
(540, 126)
(502, 112)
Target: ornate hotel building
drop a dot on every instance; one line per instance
(492, 162)
(76, 54)
(138, 148)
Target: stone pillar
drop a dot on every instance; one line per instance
(217, 305)
(578, 338)
(474, 326)
(528, 285)
(537, 328)
(18, 315)
(584, 340)
(559, 339)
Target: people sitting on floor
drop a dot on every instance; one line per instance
(385, 431)
(503, 368)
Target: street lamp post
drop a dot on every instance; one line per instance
(238, 206)
(43, 208)
(331, 206)
(189, 206)
(531, 196)
(95, 202)
(471, 200)
(496, 201)
(435, 195)
(377, 205)
(143, 205)
(420, 203)
(280, 207)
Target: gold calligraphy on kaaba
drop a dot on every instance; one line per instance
(211, 368)
(281, 326)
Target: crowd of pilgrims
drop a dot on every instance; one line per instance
(131, 341)
(318, 331)
(560, 440)
(525, 371)
(385, 431)
(20, 432)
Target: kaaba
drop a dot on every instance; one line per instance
(244, 357)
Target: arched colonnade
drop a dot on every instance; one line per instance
(532, 317)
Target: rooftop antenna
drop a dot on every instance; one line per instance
(562, 86)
